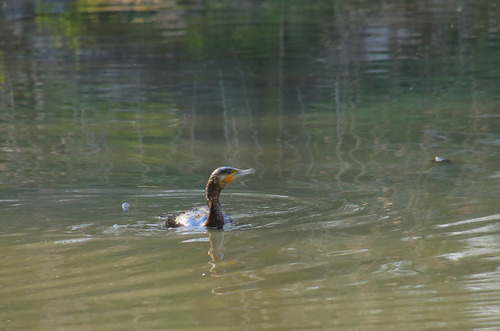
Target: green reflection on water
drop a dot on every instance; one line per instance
(339, 106)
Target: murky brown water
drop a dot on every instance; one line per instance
(340, 108)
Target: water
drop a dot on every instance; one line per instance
(340, 107)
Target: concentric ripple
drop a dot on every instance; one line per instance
(253, 209)
(247, 210)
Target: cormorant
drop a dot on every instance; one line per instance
(212, 216)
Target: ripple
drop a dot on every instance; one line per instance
(269, 204)
(488, 218)
(256, 210)
(140, 228)
(482, 247)
(72, 241)
(248, 210)
(480, 235)
(80, 226)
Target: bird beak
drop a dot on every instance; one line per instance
(237, 173)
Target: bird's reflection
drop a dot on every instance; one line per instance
(216, 239)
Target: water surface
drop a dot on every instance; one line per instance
(340, 107)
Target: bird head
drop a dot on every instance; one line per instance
(225, 175)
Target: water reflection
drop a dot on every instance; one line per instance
(314, 119)
(216, 239)
(324, 265)
(340, 106)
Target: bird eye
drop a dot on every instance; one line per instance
(225, 171)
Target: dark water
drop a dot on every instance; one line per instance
(339, 106)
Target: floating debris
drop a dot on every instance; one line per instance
(438, 159)
(125, 206)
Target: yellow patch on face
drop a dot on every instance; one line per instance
(229, 178)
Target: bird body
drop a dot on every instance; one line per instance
(211, 215)
(193, 217)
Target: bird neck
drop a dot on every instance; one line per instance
(215, 217)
